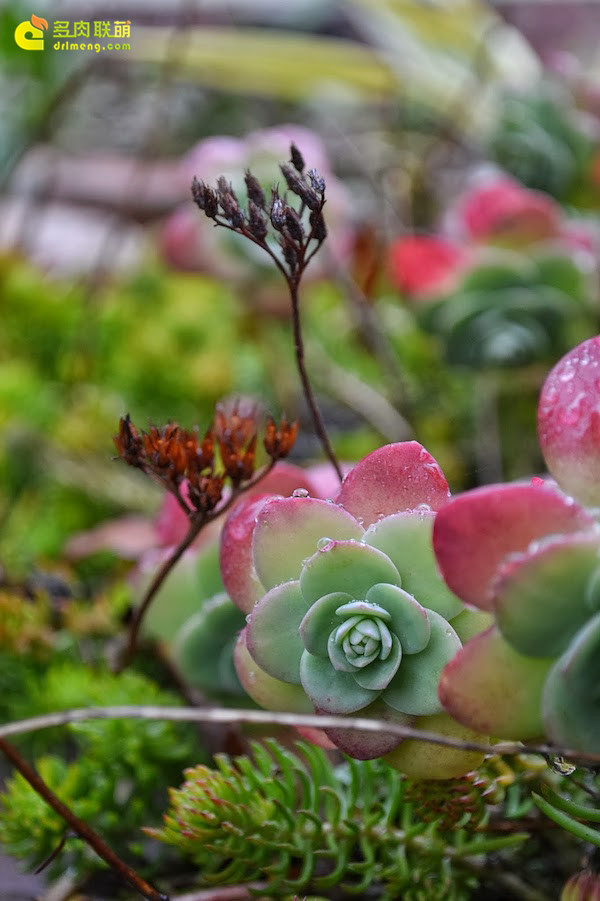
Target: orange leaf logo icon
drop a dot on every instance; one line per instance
(38, 22)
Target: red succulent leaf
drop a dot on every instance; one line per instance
(475, 532)
(505, 209)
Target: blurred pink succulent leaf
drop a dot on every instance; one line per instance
(571, 706)
(423, 266)
(569, 422)
(502, 210)
(392, 479)
(337, 618)
(474, 533)
(490, 687)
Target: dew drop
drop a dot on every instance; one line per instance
(300, 492)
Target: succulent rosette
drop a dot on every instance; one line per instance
(530, 555)
(347, 613)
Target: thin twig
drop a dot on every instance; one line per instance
(79, 826)
(306, 386)
(226, 893)
(268, 717)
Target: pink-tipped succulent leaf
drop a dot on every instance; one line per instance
(393, 478)
(475, 532)
(569, 422)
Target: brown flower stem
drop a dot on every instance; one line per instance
(79, 827)
(197, 523)
(159, 577)
(306, 386)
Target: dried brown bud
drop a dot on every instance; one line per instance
(296, 158)
(278, 442)
(129, 443)
(205, 198)
(294, 225)
(277, 211)
(297, 184)
(199, 457)
(165, 453)
(205, 493)
(317, 180)
(235, 431)
(257, 221)
(290, 251)
(255, 192)
(319, 229)
(229, 203)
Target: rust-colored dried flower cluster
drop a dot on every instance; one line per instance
(291, 230)
(227, 452)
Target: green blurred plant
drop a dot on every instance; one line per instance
(545, 142)
(111, 773)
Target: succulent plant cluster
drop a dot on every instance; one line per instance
(346, 609)
(529, 555)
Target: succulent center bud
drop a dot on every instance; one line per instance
(363, 636)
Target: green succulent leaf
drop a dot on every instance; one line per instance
(320, 620)
(414, 688)
(270, 693)
(377, 675)
(491, 688)
(273, 635)
(348, 566)
(541, 599)
(203, 647)
(571, 698)
(406, 539)
(409, 621)
(330, 690)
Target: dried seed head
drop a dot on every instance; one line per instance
(317, 181)
(255, 192)
(236, 432)
(205, 198)
(229, 203)
(296, 158)
(319, 229)
(165, 454)
(304, 191)
(278, 442)
(290, 251)
(129, 443)
(277, 211)
(257, 221)
(206, 492)
(294, 225)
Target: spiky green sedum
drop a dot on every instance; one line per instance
(297, 822)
